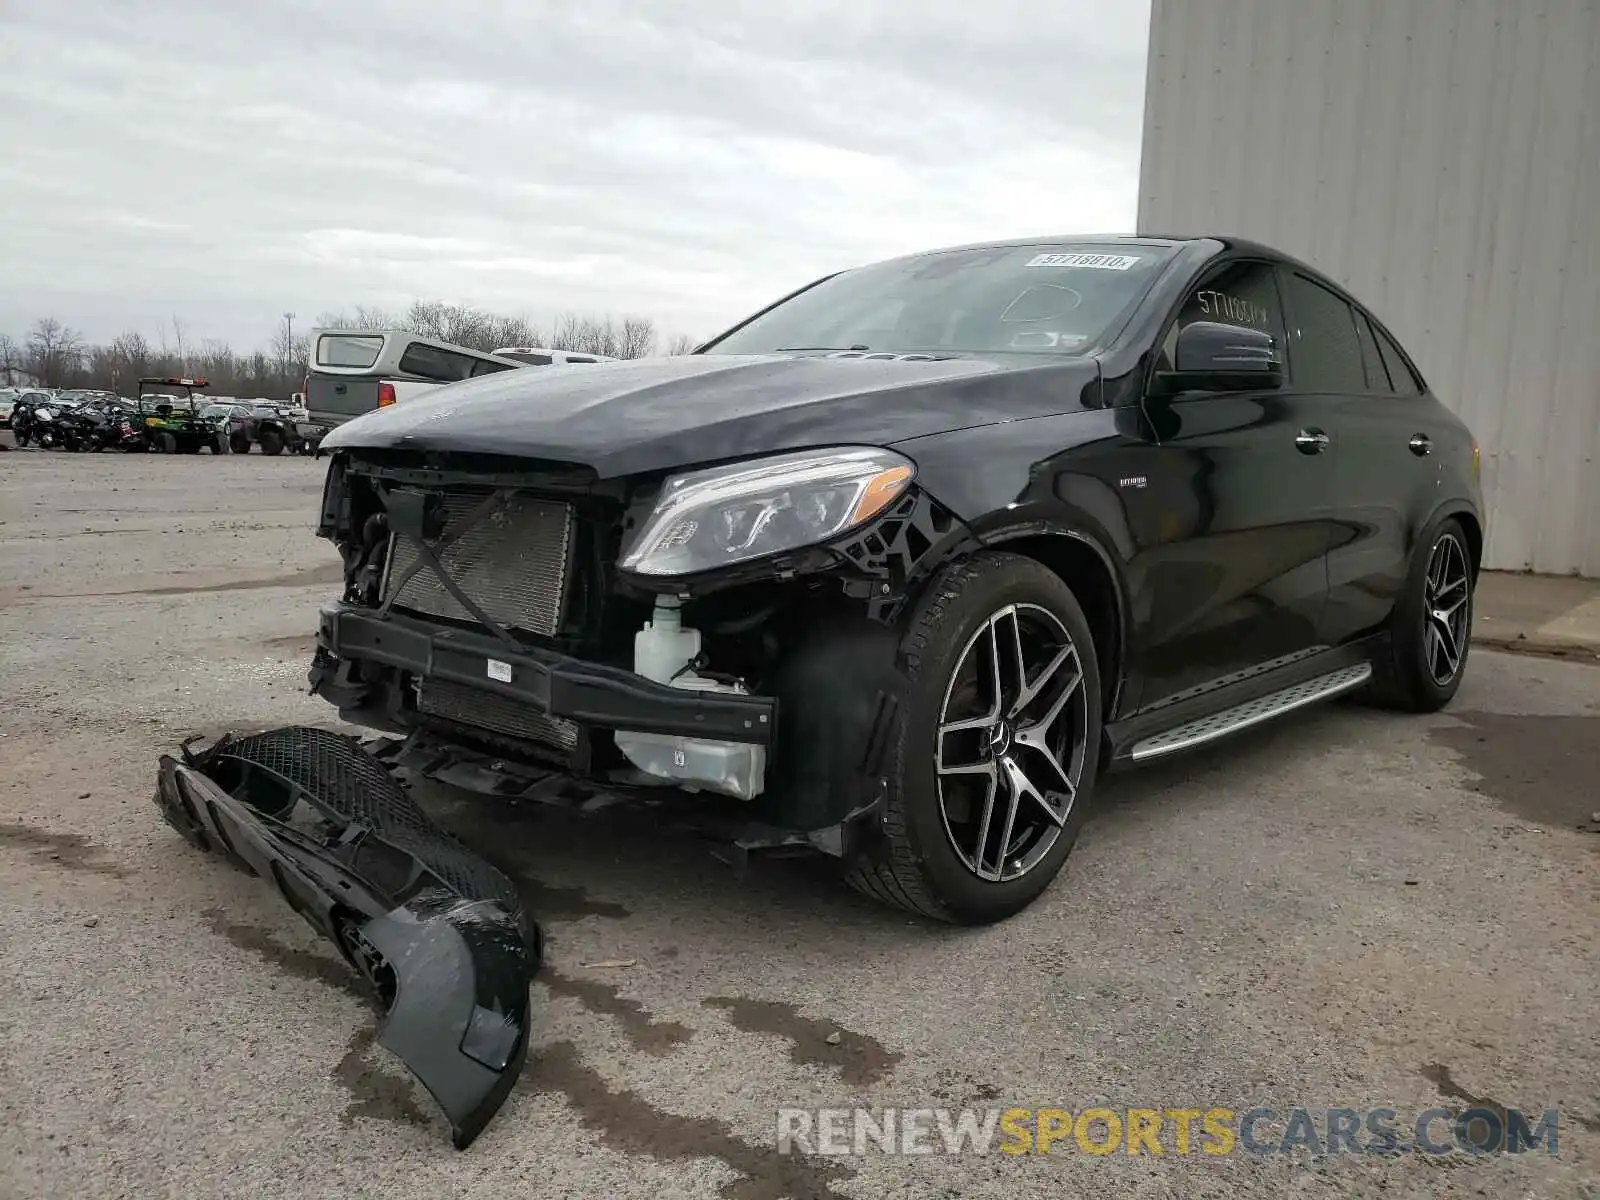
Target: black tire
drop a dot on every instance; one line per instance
(165, 443)
(271, 442)
(239, 443)
(916, 865)
(1409, 676)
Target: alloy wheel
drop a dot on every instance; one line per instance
(1012, 742)
(1447, 609)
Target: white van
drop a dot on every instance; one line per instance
(355, 371)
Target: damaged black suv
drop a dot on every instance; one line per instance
(896, 566)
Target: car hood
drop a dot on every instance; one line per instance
(623, 418)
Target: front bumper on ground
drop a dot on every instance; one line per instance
(438, 933)
(557, 685)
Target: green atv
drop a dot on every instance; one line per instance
(171, 420)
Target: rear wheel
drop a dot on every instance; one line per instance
(271, 442)
(1430, 631)
(994, 758)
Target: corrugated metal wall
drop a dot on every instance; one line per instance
(1441, 158)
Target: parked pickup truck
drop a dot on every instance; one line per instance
(354, 371)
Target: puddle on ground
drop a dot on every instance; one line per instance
(1544, 769)
(644, 1031)
(302, 964)
(860, 1059)
(70, 851)
(625, 1121)
(374, 1093)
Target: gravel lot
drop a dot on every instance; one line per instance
(1347, 909)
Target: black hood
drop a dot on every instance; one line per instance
(623, 418)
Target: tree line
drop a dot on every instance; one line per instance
(55, 355)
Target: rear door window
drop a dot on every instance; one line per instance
(1323, 339)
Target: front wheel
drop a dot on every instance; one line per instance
(271, 442)
(994, 760)
(239, 443)
(1430, 630)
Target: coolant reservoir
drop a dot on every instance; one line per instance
(662, 651)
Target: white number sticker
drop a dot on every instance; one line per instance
(1102, 262)
(499, 670)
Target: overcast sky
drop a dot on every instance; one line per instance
(688, 161)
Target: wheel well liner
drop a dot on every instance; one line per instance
(1464, 513)
(1084, 566)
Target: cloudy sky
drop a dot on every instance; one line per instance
(688, 161)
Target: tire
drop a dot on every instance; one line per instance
(1410, 675)
(239, 443)
(271, 442)
(928, 811)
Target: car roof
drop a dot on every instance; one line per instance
(1166, 241)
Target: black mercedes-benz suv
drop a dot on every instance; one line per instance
(896, 566)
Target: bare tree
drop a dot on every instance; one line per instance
(177, 337)
(636, 338)
(680, 343)
(361, 317)
(132, 357)
(54, 351)
(12, 362)
(220, 366)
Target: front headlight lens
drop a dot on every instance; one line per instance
(708, 519)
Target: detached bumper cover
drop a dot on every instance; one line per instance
(552, 683)
(438, 933)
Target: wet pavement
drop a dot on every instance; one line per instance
(1344, 909)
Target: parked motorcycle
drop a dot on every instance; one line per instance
(24, 418)
(100, 425)
(44, 428)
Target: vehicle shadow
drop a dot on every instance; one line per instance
(619, 863)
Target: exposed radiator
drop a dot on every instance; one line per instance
(512, 563)
(485, 710)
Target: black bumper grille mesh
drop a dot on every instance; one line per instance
(355, 787)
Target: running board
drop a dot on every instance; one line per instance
(1252, 712)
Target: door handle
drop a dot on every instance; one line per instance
(1420, 444)
(1311, 441)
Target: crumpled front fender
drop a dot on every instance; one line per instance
(437, 933)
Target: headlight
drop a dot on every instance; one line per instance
(708, 519)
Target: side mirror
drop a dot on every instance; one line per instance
(1216, 357)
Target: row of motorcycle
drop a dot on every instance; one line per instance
(102, 425)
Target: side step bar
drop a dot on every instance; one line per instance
(1252, 712)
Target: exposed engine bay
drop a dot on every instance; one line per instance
(531, 616)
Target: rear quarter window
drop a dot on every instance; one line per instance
(1404, 382)
(342, 350)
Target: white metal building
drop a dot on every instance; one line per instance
(1440, 158)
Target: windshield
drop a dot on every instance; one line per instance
(1055, 299)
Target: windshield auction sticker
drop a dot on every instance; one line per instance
(1102, 262)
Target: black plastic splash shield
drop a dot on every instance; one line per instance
(437, 932)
